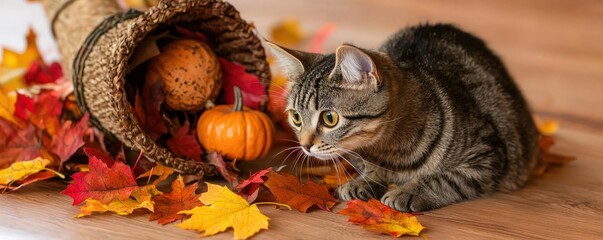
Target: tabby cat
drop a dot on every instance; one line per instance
(433, 112)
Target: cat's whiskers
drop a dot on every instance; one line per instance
(363, 176)
(355, 154)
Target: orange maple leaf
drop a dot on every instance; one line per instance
(290, 191)
(375, 216)
(168, 205)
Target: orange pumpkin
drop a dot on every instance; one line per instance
(235, 131)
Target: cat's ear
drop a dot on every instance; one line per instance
(292, 62)
(356, 67)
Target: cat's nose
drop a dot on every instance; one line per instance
(307, 147)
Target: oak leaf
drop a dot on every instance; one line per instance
(290, 191)
(375, 216)
(249, 188)
(180, 198)
(102, 183)
(225, 209)
(139, 199)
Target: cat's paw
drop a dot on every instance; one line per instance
(406, 201)
(357, 189)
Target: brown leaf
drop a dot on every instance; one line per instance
(290, 191)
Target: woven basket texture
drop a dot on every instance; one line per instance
(96, 40)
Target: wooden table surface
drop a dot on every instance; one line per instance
(554, 50)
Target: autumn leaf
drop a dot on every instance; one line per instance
(14, 64)
(39, 73)
(100, 155)
(548, 128)
(225, 209)
(249, 188)
(147, 107)
(23, 106)
(287, 33)
(234, 74)
(18, 143)
(39, 176)
(216, 159)
(290, 191)
(139, 199)
(184, 144)
(13, 59)
(7, 106)
(47, 111)
(168, 205)
(159, 170)
(102, 183)
(21, 170)
(375, 216)
(69, 138)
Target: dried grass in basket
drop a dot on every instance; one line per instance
(96, 40)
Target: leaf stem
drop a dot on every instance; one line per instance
(55, 172)
(273, 203)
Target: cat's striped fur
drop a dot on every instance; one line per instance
(433, 111)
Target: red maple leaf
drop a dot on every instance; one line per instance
(301, 196)
(102, 183)
(100, 155)
(234, 74)
(216, 159)
(249, 188)
(18, 143)
(147, 107)
(40, 73)
(168, 205)
(46, 112)
(24, 106)
(183, 143)
(69, 138)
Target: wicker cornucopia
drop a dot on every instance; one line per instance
(97, 39)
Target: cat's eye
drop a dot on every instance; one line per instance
(295, 118)
(330, 118)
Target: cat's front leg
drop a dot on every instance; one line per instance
(360, 189)
(434, 191)
(366, 186)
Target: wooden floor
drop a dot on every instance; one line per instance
(552, 48)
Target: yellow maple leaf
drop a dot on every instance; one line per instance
(13, 59)
(287, 33)
(14, 64)
(162, 173)
(140, 198)
(225, 209)
(7, 106)
(21, 170)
